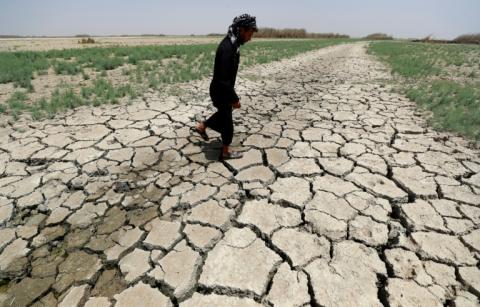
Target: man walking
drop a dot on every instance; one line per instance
(222, 87)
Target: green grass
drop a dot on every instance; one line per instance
(66, 68)
(154, 67)
(16, 103)
(19, 67)
(423, 60)
(455, 107)
(440, 78)
(62, 99)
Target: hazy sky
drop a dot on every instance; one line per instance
(401, 18)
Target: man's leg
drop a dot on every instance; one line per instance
(214, 122)
(222, 122)
(227, 125)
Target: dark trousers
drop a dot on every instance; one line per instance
(222, 122)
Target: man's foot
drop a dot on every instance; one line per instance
(231, 155)
(200, 129)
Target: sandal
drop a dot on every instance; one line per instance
(231, 155)
(203, 134)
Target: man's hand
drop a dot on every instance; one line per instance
(236, 104)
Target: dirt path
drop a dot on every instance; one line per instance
(344, 197)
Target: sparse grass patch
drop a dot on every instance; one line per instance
(441, 78)
(66, 68)
(108, 63)
(101, 92)
(154, 67)
(18, 67)
(61, 101)
(16, 103)
(455, 107)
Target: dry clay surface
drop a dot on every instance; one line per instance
(344, 197)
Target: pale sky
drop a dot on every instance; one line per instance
(400, 18)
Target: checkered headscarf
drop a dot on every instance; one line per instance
(242, 21)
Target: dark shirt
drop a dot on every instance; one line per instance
(225, 69)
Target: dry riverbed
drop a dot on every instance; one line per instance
(344, 197)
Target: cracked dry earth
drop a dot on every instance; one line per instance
(344, 197)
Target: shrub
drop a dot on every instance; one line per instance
(17, 100)
(88, 40)
(429, 39)
(108, 63)
(378, 36)
(66, 68)
(18, 67)
(468, 39)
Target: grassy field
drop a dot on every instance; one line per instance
(138, 67)
(442, 78)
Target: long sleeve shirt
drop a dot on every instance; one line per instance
(227, 59)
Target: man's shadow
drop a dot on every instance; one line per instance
(211, 149)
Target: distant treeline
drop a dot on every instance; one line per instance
(461, 39)
(294, 33)
(121, 35)
(289, 33)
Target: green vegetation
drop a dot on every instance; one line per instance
(441, 78)
(19, 68)
(142, 66)
(101, 92)
(16, 103)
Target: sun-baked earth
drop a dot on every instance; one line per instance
(344, 197)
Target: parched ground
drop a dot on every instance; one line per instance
(344, 197)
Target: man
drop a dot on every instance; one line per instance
(222, 91)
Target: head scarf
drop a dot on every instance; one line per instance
(242, 21)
